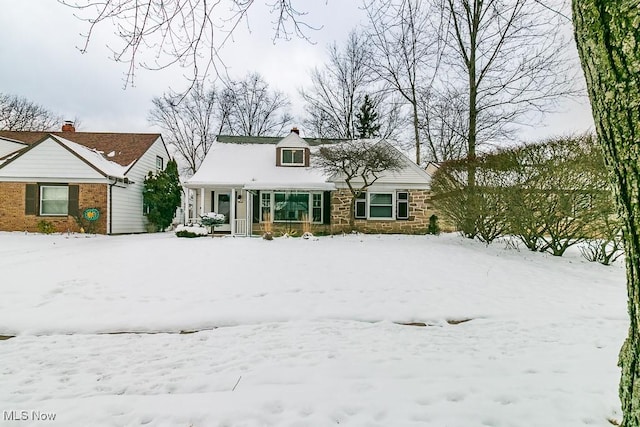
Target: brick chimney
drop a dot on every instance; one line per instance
(68, 126)
(296, 130)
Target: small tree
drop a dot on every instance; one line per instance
(161, 196)
(360, 164)
(367, 125)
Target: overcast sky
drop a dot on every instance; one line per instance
(41, 62)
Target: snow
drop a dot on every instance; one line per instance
(255, 166)
(298, 332)
(95, 158)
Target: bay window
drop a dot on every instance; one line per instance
(280, 206)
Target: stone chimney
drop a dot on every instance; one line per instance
(68, 126)
(296, 130)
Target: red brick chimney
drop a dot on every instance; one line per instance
(68, 126)
(296, 130)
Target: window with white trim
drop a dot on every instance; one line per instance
(280, 206)
(159, 163)
(317, 207)
(54, 200)
(381, 205)
(292, 157)
(265, 207)
(402, 205)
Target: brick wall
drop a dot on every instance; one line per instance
(12, 208)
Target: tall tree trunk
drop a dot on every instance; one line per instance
(469, 225)
(607, 33)
(416, 126)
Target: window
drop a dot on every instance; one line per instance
(159, 163)
(317, 207)
(54, 200)
(282, 206)
(291, 207)
(265, 207)
(402, 202)
(361, 206)
(381, 205)
(292, 157)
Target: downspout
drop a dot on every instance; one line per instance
(110, 207)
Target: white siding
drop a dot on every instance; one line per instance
(8, 147)
(49, 161)
(126, 206)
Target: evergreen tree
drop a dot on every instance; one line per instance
(367, 124)
(161, 195)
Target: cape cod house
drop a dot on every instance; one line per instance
(267, 181)
(59, 176)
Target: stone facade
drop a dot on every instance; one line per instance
(12, 209)
(420, 210)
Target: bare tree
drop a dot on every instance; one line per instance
(190, 123)
(400, 36)
(359, 163)
(443, 126)
(508, 59)
(338, 90)
(607, 35)
(254, 109)
(18, 113)
(189, 33)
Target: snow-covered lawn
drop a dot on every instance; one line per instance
(296, 332)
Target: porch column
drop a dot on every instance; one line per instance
(232, 211)
(185, 206)
(249, 213)
(202, 201)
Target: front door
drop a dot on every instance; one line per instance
(223, 206)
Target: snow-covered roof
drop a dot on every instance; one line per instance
(292, 140)
(253, 166)
(95, 158)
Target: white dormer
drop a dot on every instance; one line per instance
(292, 150)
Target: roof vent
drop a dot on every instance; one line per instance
(68, 126)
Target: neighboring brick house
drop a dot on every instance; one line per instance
(265, 181)
(56, 176)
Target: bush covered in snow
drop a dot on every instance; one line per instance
(191, 231)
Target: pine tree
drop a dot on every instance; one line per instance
(367, 124)
(161, 195)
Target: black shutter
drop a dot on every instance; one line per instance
(74, 195)
(326, 207)
(256, 207)
(213, 201)
(31, 200)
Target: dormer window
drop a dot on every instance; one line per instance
(292, 157)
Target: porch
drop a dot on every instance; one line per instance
(235, 203)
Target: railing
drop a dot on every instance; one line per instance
(241, 227)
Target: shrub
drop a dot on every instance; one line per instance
(45, 227)
(162, 194)
(434, 227)
(191, 231)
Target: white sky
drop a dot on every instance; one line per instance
(40, 61)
